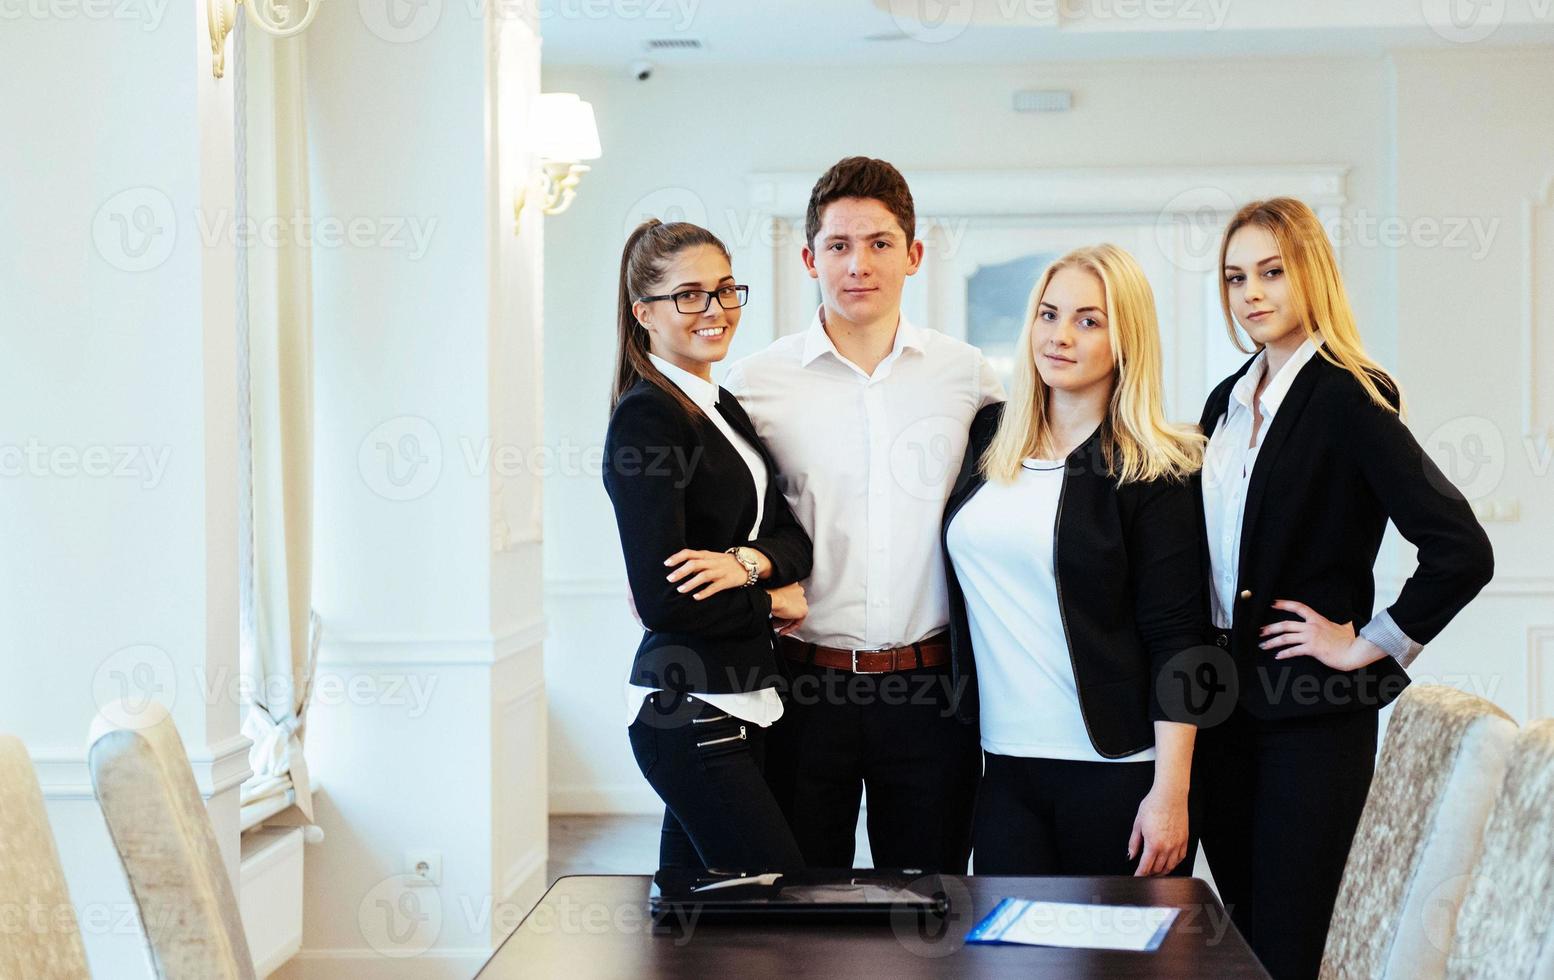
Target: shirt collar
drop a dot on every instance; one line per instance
(1279, 385)
(703, 393)
(817, 341)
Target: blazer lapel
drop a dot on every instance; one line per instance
(966, 485)
(1215, 407)
(734, 414)
(728, 407)
(1273, 440)
(969, 480)
(1219, 401)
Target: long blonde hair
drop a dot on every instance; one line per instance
(1316, 288)
(1138, 441)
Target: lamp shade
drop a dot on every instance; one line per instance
(564, 128)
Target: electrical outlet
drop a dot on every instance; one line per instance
(424, 866)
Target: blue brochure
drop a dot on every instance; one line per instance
(1074, 925)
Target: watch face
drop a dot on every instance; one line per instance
(742, 556)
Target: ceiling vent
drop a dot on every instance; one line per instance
(673, 44)
(1039, 100)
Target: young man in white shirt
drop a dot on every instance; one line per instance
(867, 416)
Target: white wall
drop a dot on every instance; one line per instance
(116, 322)
(427, 564)
(1475, 144)
(1405, 154)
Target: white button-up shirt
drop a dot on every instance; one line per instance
(867, 462)
(1227, 470)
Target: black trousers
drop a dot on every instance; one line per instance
(1281, 800)
(1060, 817)
(893, 734)
(707, 768)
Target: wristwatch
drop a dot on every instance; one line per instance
(751, 568)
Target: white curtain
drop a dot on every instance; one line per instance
(280, 632)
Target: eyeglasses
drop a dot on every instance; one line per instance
(700, 300)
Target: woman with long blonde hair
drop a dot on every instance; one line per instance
(1306, 462)
(1074, 572)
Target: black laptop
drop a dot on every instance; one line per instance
(846, 894)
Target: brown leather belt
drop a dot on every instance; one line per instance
(929, 652)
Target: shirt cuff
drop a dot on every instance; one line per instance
(1384, 631)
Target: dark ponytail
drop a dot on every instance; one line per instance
(649, 249)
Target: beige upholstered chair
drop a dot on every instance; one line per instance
(164, 837)
(1441, 767)
(42, 940)
(1506, 928)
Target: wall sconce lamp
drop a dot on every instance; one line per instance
(565, 135)
(271, 16)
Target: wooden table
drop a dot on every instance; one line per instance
(589, 926)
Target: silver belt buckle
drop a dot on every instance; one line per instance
(855, 661)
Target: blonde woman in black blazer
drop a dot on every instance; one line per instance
(713, 557)
(1075, 584)
(1307, 461)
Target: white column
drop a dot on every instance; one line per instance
(427, 734)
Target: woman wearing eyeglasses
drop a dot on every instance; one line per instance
(713, 556)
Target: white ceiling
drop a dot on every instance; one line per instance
(613, 33)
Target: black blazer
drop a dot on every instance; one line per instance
(1332, 469)
(1130, 589)
(675, 483)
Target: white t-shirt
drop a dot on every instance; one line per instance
(1000, 544)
